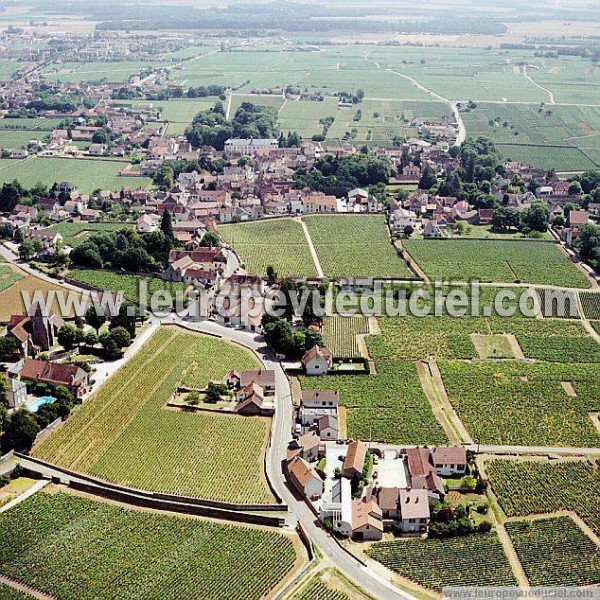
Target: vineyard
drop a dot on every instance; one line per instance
(590, 303)
(70, 547)
(355, 246)
(557, 304)
(9, 593)
(555, 552)
(388, 407)
(279, 243)
(125, 435)
(339, 335)
(475, 560)
(499, 261)
(128, 284)
(533, 487)
(447, 337)
(317, 589)
(525, 404)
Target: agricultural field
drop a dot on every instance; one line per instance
(78, 72)
(280, 243)
(124, 433)
(87, 174)
(590, 302)
(355, 246)
(555, 552)
(388, 407)
(27, 124)
(17, 138)
(525, 404)
(67, 546)
(12, 301)
(496, 261)
(532, 487)
(475, 560)
(74, 234)
(321, 587)
(9, 276)
(9, 593)
(551, 157)
(525, 132)
(339, 335)
(130, 285)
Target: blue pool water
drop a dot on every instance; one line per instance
(33, 407)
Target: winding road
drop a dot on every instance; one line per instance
(462, 130)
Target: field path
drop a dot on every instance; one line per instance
(511, 555)
(313, 251)
(462, 130)
(550, 93)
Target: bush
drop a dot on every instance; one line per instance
(485, 527)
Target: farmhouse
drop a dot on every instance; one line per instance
(337, 506)
(191, 263)
(414, 511)
(263, 378)
(355, 459)
(17, 393)
(317, 361)
(251, 401)
(367, 522)
(450, 461)
(35, 332)
(305, 479)
(74, 378)
(320, 408)
(423, 475)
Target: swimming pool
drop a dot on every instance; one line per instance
(33, 407)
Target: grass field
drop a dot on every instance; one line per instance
(475, 560)
(555, 552)
(549, 157)
(496, 261)
(87, 174)
(130, 285)
(525, 404)
(355, 246)
(280, 243)
(78, 72)
(9, 276)
(124, 433)
(533, 487)
(72, 547)
(388, 407)
(74, 234)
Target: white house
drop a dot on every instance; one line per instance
(414, 511)
(147, 224)
(305, 478)
(432, 230)
(450, 461)
(337, 506)
(317, 361)
(17, 393)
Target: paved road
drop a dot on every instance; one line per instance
(376, 585)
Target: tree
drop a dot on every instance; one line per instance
(95, 318)
(4, 388)
(121, 337)
(126, 318)
(90, 338)
(26, 250)
(69, 336)
(536, 217)
(588, 245)
(408, 230)
(505, 217)
(428, 178)
(20, 431)
(271, 274)
(575, 189)
(210, 239)
(214, 391)
(166, 225)
(8, 348)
